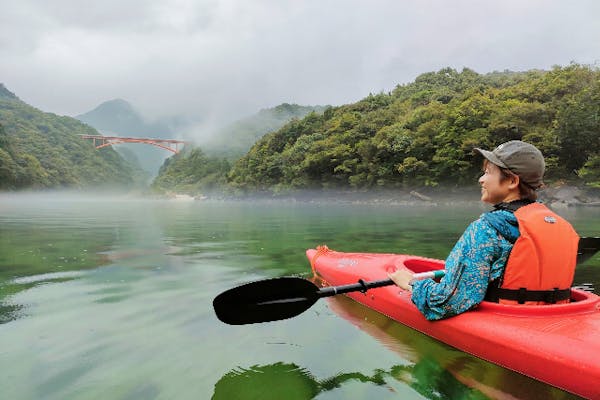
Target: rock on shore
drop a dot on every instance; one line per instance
(567, 196)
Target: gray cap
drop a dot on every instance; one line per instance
(521, 158)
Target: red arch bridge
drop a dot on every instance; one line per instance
(171, 145)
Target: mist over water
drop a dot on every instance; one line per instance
(109, 295)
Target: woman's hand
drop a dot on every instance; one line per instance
(402, 278)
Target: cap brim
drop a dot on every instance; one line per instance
(491, 157)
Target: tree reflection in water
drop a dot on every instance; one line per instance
(289, 381)
(433, 370)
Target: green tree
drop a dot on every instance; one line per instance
(590, 172)
(578, 126)
(8, 169)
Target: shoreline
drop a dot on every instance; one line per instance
(562, 196)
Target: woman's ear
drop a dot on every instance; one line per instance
(514, 181)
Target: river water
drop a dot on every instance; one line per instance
(111, 298)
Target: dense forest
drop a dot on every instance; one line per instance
(423, 133)
(42, 150)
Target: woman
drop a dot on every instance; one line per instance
(520, 252)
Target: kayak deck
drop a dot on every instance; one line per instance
(557, 344)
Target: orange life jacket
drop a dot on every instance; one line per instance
(541, 265)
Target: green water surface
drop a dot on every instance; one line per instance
(111, 298)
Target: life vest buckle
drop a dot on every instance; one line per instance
(552, 296)
(522, 295)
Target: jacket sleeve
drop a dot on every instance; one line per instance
(479, 254)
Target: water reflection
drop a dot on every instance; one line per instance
(289, 381)
(274, 381)
(10, 312)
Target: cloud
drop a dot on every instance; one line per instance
(218, 60)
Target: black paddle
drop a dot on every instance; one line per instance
(286, 297)
(278, 298)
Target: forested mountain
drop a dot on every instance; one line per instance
(119, 118)
(419, 134)
(44, 150)
(423, 133)
(234, 140)
(205, 168)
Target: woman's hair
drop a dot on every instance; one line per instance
(525, 191)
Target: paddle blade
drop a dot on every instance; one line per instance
(267, 300)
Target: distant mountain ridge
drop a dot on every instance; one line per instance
(7, 94)
(115, 115)
(119, 116)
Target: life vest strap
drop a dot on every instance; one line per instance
(523, 295)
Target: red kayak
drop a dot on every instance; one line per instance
(556, 344)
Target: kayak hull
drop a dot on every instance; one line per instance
(556, 344)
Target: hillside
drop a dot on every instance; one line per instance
(234, 140)
(422, 133)
(192, 172)
(205, 168)
(43, 150)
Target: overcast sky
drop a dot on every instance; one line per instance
(229, 58)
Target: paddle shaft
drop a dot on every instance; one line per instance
(363, 286)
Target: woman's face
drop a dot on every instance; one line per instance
(494, 189)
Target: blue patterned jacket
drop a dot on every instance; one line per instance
(478, 257)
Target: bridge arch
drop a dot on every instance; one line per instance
(100, 141)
